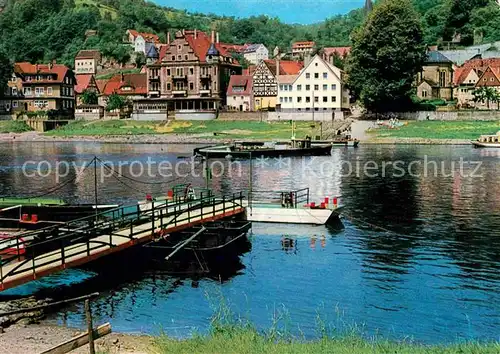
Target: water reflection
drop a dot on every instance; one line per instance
(417, 255)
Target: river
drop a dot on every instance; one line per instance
(418, 255)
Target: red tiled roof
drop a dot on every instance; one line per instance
(88, 54)
(25, 68)
(82, 82)
(496, 72)
(148, 37)
(287, 67)
(238, 48)
(138, 83)
(480, 65)
(341, 51)
(201, 44)
(163, 51)
(240, 81)
(101, 84)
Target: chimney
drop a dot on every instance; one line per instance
(168, 37)
(217, 37)
(195, 33)
(213, 36)
(123, 77)
(277, 67)
(183, 32)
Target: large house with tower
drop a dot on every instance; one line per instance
(190, 78)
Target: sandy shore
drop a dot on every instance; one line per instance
(32, 339)
(197, 139)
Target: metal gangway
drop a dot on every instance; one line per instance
(55, 248)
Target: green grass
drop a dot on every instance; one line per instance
(118, 71)
(103, 9)
(214, 129)
(244, 340)
(102, 128)
(14, 126)
(439, 130)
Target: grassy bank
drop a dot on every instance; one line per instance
(14, 126)
(215, 128)
(439, 130)
(246, 340)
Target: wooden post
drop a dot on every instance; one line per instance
(88, 314)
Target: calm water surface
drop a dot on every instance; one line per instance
(418, 256)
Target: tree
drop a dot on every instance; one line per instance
(90, 97)
(5, 72)
(140, 59)
(115, 101)
(387, 53)
(486, 94)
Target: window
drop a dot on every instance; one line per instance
(316, 99)
(285, 87)
(290, 87)
(424, 93)
(14, 104)
(442, 78)
(299, 99)
(325, 87)
(49, 91)
(179, 47)
(299, 87)
(316, 87)
(281, 87)
(325, 75)
(186, 57)
(27, 91)
(169, 87)
(308, 99)
(179, 57)
(257, 101)
(308, 76)
(325, 99)
(234, 97)
(334, 99)
(14, 91)
(173, 57)
(191, 71)
(492, 79)
(316, 75)
(334, 87)
(168, 72)
(39, 91)
(286, 99)
(191, 86)
(308, 87)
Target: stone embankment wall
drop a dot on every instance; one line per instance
(276, 116)
(430, 115)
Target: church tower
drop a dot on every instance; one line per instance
(368, 6)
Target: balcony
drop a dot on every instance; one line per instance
(179, 77)
(179, 92)
(205, 76)
(154, 78)
(205, 92)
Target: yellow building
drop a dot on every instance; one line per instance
(265, 84)
(43, 87)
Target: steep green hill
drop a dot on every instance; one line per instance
(42, 30)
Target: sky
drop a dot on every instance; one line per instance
(289, 11)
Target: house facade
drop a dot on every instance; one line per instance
(302, 49)
(436, 79)
(191, 75)
(43, 87)
(240, 93)
(141, 41)
(318, 87)
(87, 62)
(255, 53)
(473, 74)
(265, 84)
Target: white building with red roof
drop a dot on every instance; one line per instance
(240, 93)
(141, 41)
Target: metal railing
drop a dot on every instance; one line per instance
(297, 197)
(41, 244)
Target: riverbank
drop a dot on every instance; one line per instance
(37, 338)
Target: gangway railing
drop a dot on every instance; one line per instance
(295, 197)
(41, 244)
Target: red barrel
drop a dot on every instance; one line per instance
(327, 200)
(335, 201)
(149, 198)
(170, 194)
(25, 217)
(323, 205)
(313, 204)
(34, 218)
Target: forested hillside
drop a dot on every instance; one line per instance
(41, 30)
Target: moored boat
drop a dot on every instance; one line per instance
(249, 149)
(487, 141)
